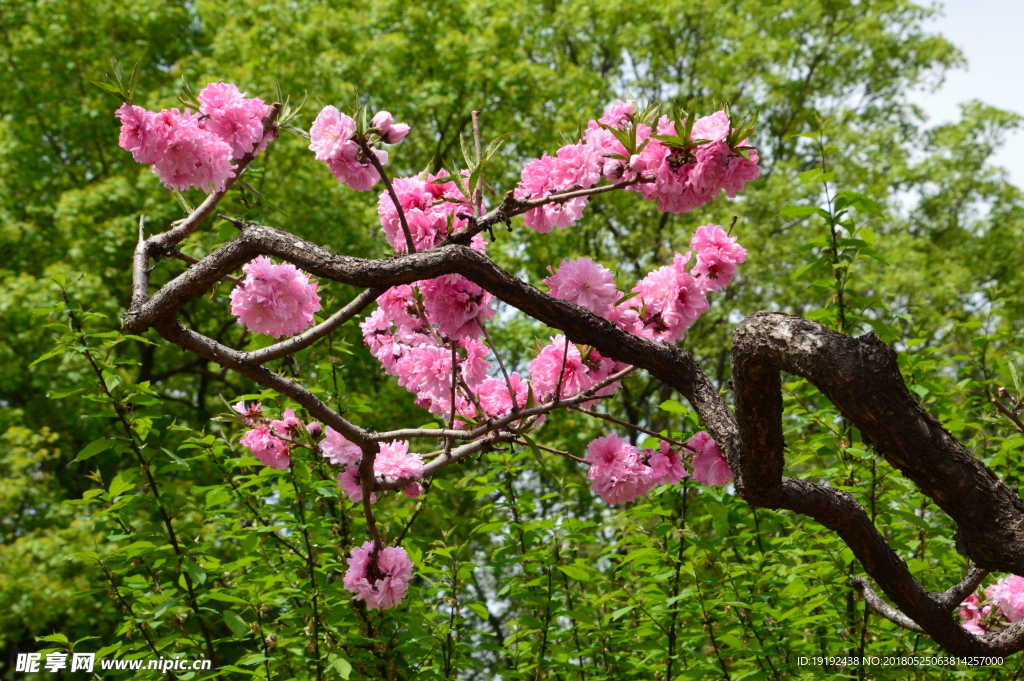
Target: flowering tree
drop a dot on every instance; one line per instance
(437, 296)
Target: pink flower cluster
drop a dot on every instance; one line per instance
(1006, 607)
(709, 465)
(393, 462)
(268, 439)
(580, 370)
(275, 300)
(620, 473)
(195, 149)
(333, 140)
(668, 300)
(585, 283)
(679, 179)
(430, 209)
(718, 257)
(687, 179)
(382, 580)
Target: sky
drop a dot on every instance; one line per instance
(988, 34)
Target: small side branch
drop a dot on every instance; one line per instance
(882, 608)
(310, 336)
(955, 595)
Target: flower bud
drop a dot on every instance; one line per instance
(382, 120)
(314, 428)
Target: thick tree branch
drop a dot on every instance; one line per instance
(860, 376)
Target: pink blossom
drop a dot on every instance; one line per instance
(267, 448)
(544, 176)
(667, 464)
(399, 306)
(188, 156)
(275, 300)
(474, 366)
(338, 450)
(618, 113)
(428, 209)
(232, 117)
(390, 133)
(544, 370)
(687, 179)
(494, 397)
(250, 414)
(973, 616)
(575, 165)
(669, 302)
(718, 254)
(585, 283)
(286, 426)
(1007, 595)
(709, 466)
(138, 134)
(455, 304)
(331, 141)
(617, 472)
(348, 481)
(353, 170)
(712, 238)
(383, 585)
(426, 370)
(330, 132)
(396, 462)
(713, 128)
(413, 490)
(314, 428)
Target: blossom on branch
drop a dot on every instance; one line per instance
(618, 473)
(585, 283)
(194, 149)
(1007, 595)
(338, 450)
(390, 133)
(382, 580)
(266, 447)
(275, 300)
(331, 140)
(709, 465)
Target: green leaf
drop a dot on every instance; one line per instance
(673, 407)
(342, 666)
(94, 448)
(119, 485)
(53, 638)
(59, 350)
(226, 598)
(798, 211)
(1014, 376)
(575, 572)
(481, 610)
(194, 570)
(236, 624)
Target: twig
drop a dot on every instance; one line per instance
(1008, 414)
(375, 162)
(626, 424)
(554, 451)
(881, 607)
(501, 365)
